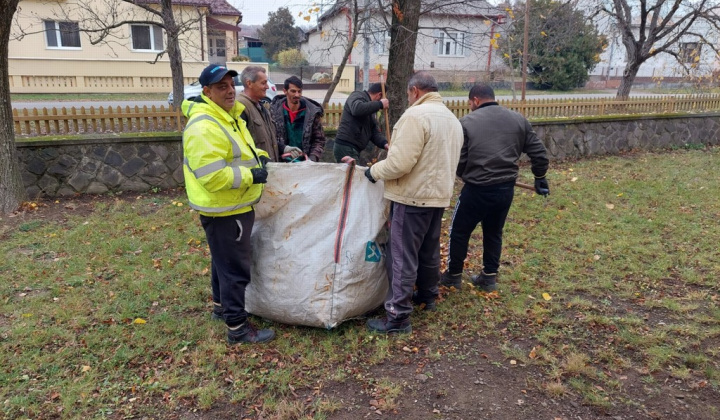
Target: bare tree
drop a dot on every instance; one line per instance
(12, 192)
(103, 21)
(649, 28)
(401, 20)
(348, 43)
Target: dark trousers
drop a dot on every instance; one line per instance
(231, 253)
(342, 150)
(489, 206)
(413, 257)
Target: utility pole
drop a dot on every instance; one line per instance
(525, 49)
(366, 46)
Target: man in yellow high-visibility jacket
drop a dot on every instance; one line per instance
(224, 177)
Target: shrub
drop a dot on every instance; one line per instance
(291, 58)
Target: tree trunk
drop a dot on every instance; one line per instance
(627, 81)
(401, 62)
(174, 52)
(12, 192)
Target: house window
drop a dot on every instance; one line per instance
(147, 37)
(452, 44)
(689, 52)
(216, 45)
(383, 42)
(62, 34)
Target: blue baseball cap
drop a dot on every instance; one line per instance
(214, 73)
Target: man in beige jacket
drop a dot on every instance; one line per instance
(419, 175)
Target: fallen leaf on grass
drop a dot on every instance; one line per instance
(546, 296)
(139, 321)
(533, 353)
(85, 368)
(610, 206)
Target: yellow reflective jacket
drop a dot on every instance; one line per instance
(218, 155)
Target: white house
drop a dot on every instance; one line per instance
(699, 59)
(455, 42)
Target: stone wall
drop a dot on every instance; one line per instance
(593, 136)
(95, 166)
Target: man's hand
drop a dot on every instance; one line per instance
(542, 187)
(387, 146)
(259, 175)
(347, 159)
(369, 176)
(385, 103)
(264, 161)
(295, 152)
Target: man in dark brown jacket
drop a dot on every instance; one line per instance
(298, 120)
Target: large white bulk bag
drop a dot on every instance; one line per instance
(317, 240)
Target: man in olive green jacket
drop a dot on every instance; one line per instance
(257, 114)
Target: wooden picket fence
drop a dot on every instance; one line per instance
(101, 120)
(582, 107)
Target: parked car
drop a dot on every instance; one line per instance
(194, 89)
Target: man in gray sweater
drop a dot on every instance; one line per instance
(494, 139)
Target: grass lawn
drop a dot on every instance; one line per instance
(612, 279)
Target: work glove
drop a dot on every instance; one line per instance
(295, 152)
(369, 176)
(259, 175)
(264, 161)
(541, 186)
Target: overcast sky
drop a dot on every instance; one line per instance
(255, 12)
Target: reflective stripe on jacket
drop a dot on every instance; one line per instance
(218, 155)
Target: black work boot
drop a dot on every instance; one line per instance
(451, 280)
(387, 326)
(247, 333)
(424, 305)
(217, 313)
(485, 281)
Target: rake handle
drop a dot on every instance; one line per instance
(526, 186)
